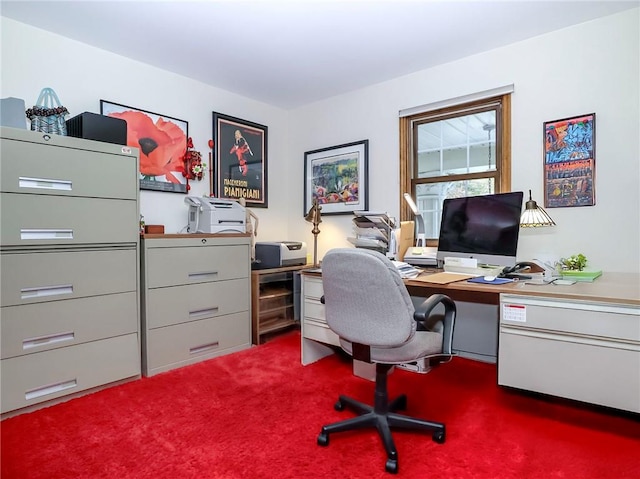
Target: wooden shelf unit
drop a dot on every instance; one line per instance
(273, 300)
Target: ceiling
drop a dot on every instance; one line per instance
(291, 53)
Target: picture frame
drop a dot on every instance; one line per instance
(338, 177)
(162, 141)
(570, 161)
(240, 157)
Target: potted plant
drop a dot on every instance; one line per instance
(574, 266)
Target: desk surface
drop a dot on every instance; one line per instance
(621, 288)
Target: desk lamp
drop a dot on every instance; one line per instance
(421, 239)
(534, 216)
(314, 217)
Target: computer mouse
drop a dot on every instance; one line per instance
(489, 278)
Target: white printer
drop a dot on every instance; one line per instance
(214, 215)
(280, 253)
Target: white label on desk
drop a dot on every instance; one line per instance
(514, 312)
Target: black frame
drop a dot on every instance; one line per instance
(245, 176)
(334, 195)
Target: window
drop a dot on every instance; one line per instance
(455, 151)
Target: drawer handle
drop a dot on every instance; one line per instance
(45, 183)
(50, 389)
(202, 275)
(45, 234)
(203, 313)
(204, 348)
(46, 340)
(26, 293)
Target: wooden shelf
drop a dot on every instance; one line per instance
(273, 300)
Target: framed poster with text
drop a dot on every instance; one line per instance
(240, 159)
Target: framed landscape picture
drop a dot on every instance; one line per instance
(240, 159)
(570, 161)
(338, 178)
(162, 141)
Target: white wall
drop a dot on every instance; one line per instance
(592, 67)
(82, 75)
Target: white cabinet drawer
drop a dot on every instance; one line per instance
(315, 310)
(181, 304)
(46, 220)
(319, 331)
(313, 288)
(597, 374)
(53, 275)
(35, 378)
(45, 169)
(602, 320)
(32, 328)
(197, 264)
(175, 346)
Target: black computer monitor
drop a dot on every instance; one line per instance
(482, 227)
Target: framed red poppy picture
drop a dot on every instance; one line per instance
(240, 159)
(162, 141)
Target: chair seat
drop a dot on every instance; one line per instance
(421, 344)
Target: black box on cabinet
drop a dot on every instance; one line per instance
(92, 126)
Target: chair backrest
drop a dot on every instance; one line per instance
(366, 300)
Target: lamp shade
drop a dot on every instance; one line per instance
(534, 216)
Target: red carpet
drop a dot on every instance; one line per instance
(256, 414)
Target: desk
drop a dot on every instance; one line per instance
(603, 316)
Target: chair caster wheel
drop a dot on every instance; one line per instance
(391, 466)
(439, 437)
(400, 404)
(323, 439)
(338, 406)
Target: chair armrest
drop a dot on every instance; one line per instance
(423, 312)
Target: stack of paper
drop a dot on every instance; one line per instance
(406, 270)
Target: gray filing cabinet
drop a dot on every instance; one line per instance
(196, 301)
(69, 266)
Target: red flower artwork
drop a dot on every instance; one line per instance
(162, 144)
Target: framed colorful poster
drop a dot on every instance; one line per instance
(570, 161)
(338, 178)
(162, 142)
(240, 158)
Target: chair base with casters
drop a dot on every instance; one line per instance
(382, 416)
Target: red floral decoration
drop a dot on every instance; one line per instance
(193, 166)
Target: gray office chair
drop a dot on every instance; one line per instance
(368, 306)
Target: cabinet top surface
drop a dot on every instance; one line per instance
(18, 134)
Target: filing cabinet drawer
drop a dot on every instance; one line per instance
(35, 378)
(46, 220)
(319, 331)
(32, 328)
(595, 319)
(315, 310)
(42, 169)
(593, 371)
(181, 304)
(54, 275)
(196, 264)
(313, 288)
(175, 346)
